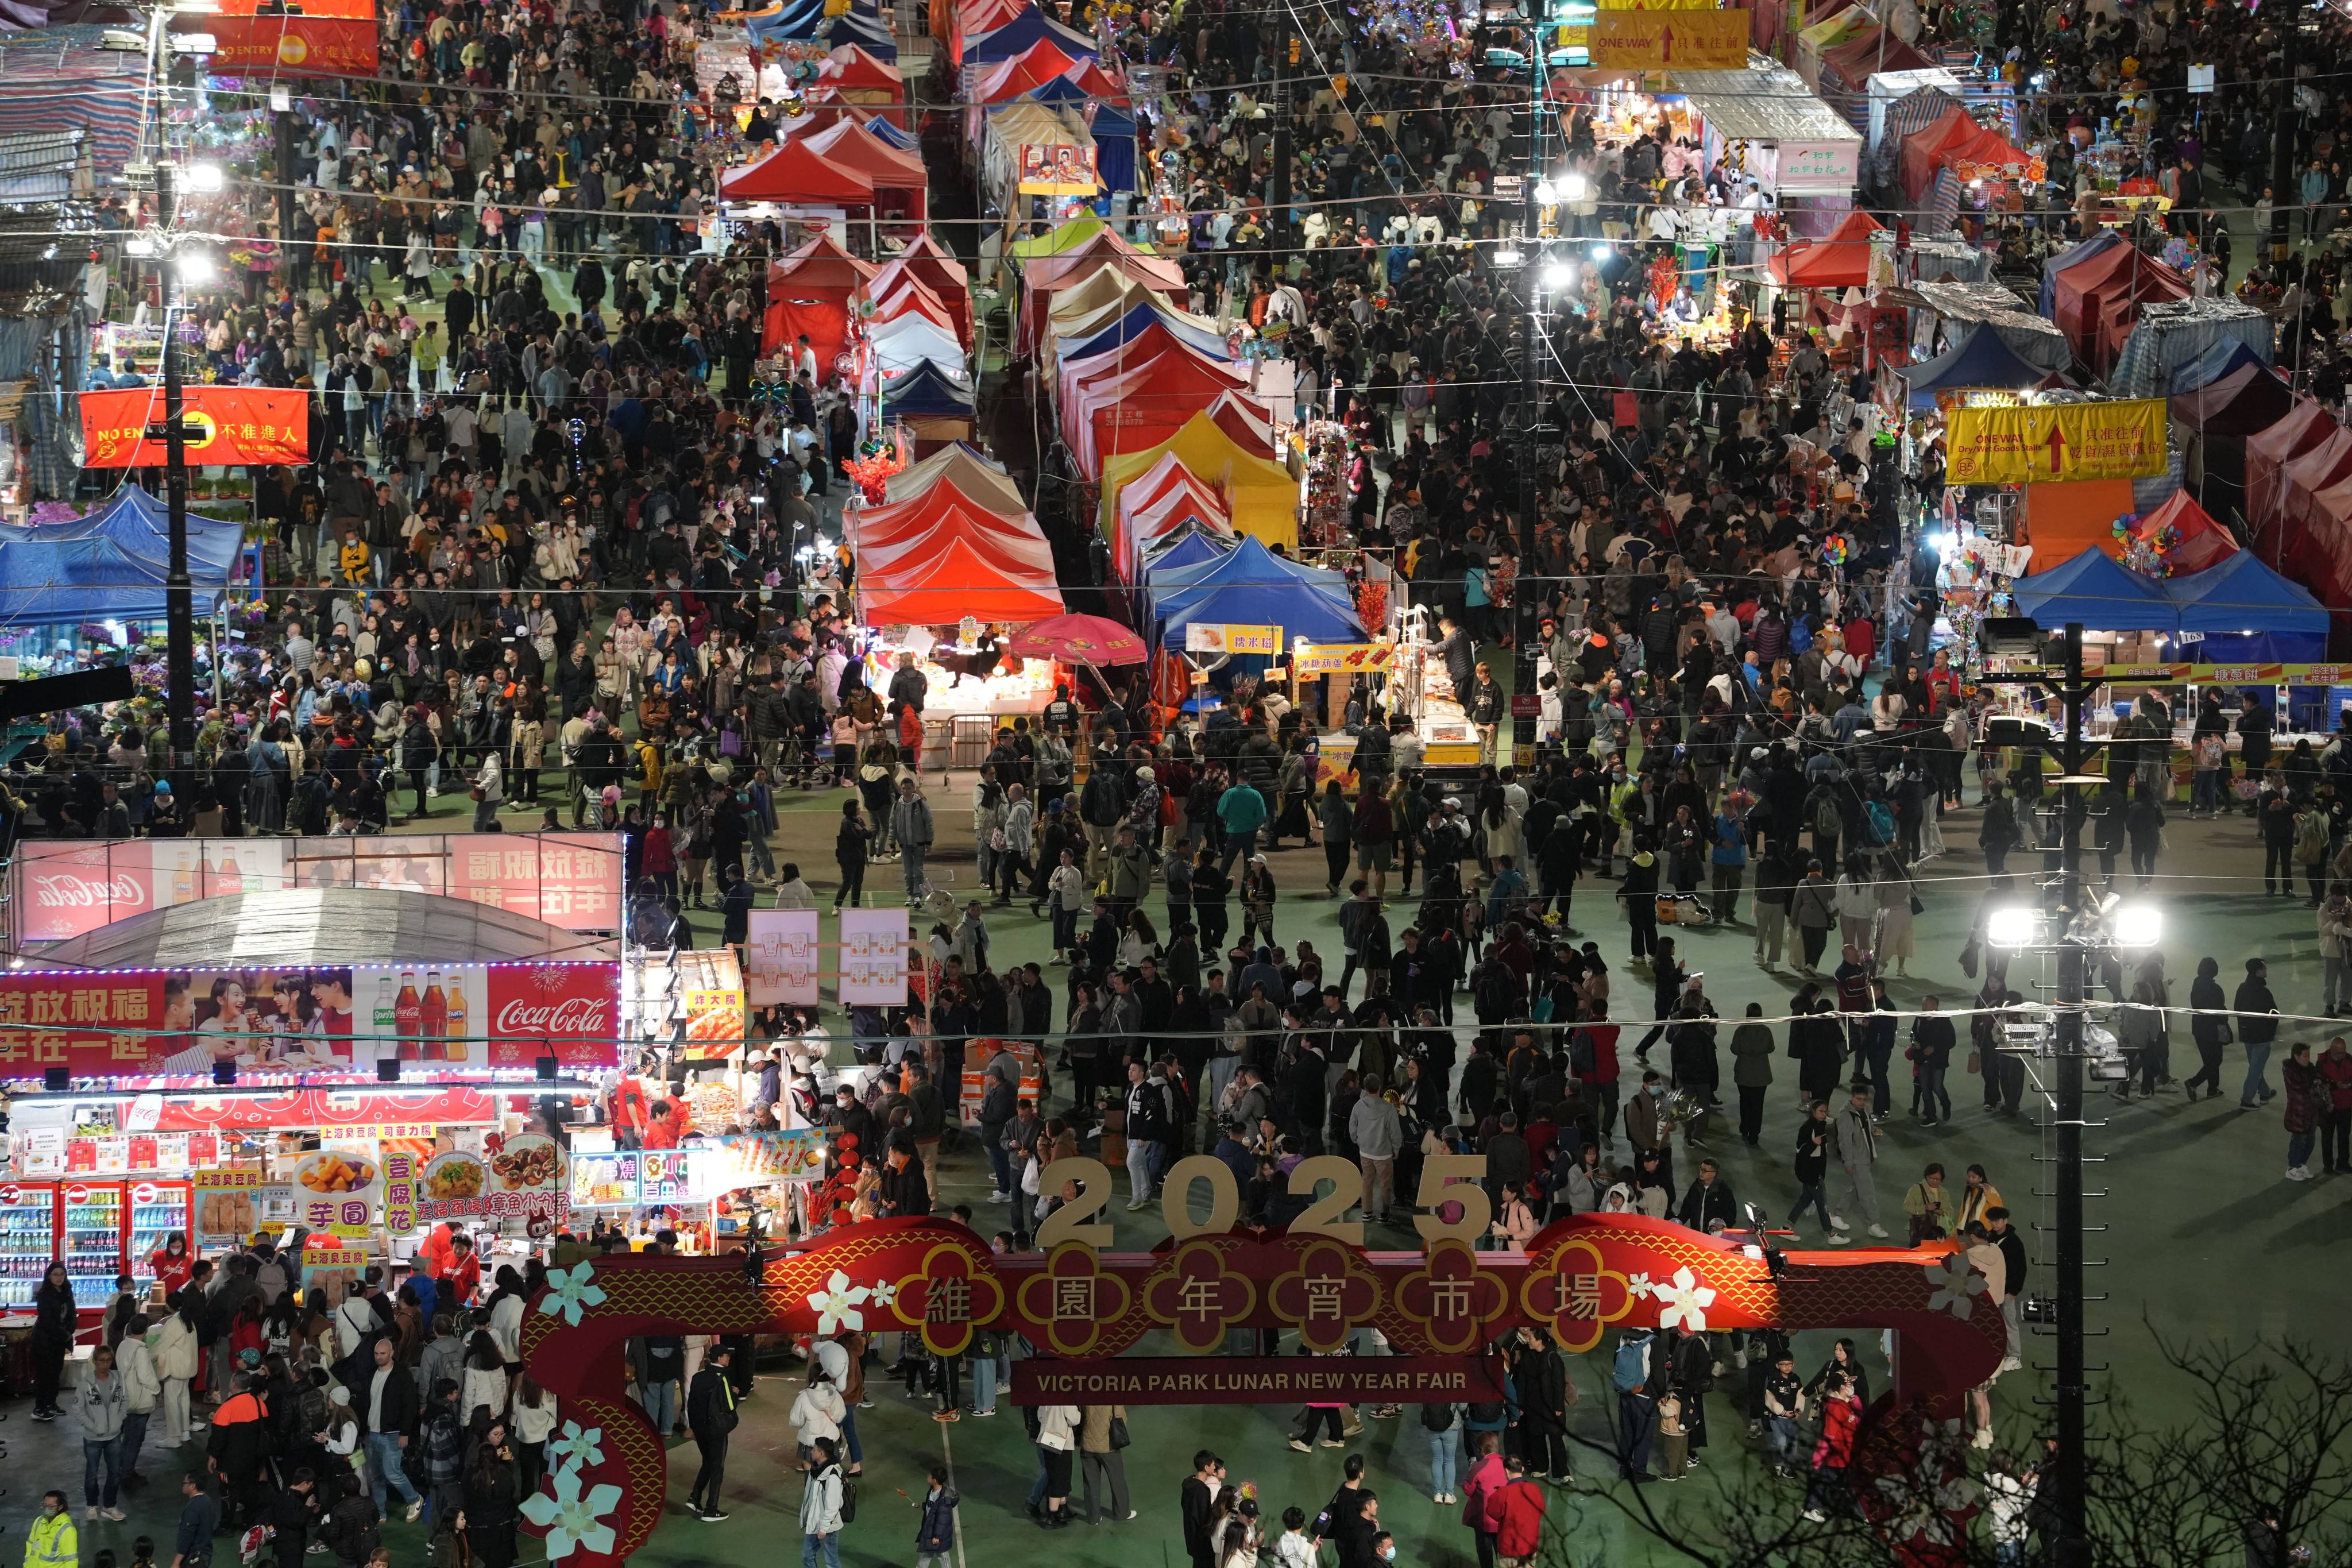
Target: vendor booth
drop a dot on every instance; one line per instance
(1261, 496)
(1769, 127)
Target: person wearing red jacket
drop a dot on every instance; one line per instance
(1488, 1476)
(1841, 1414)
(173, 1264)
(1514, 1513)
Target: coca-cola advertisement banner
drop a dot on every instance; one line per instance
(568, 879)
(320, 1022)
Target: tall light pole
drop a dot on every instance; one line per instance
(179, 589)
(1527, 704)
(2074, 922)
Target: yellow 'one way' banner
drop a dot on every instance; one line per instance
(2122, 440)
(1660, 40)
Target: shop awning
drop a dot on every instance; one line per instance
(1767, 102)
(314, 926)
(2097, 591)
(1982, 361)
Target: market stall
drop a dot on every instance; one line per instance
(1766, 123)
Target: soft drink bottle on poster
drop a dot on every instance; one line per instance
(183, 876)
(384, 1036)
(408, 1015)
(454, 1035)
(433, 1015)
(229, 880)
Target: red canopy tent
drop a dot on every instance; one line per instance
(851, 75)
(954, 583)
(849, 144)
(1099, 82)
(1859, 55)
(908, 294)
(1954, 138)
(892, 542)
(2121, 271)
(2304, 427)
(809, 290)
(1841, 259)
(2302, 479)
(2202, 541)
(1162, 499)
(1030, 69)
(1246, 421)
(926, 259)
(1042, 274)
(976, 16)
(796, 172)
(2251, 398)
(1137, 395)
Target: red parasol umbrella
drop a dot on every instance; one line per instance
(1079, 639)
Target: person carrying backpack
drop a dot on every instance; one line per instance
(1637, 1388)
(351, 1530)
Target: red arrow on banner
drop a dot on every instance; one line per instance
(1665, 46)
(2057, 445)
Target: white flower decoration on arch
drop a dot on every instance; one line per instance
(577, 1445)
(572, 1521)
(1683, 1301)
(570, 1292)
(837, 1306)
(1956, 1285)
(1638, 1286)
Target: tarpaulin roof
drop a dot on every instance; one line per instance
(1060, 238)
(2239, 594)
(2074, 255)
(851, 145)
(1190, 544)
(883, 129)
(864, 32)
(1957, 137)
(1841, 259)
(1164, 498)
(1100, 85)
(2096, 590)
(2037, 342)
(795, 172)
(1981, 360)
(1260, 495)
(1058, 89)
(2202, 541)
(928, 391)
(2301, 428)
(109, 564)
(2300, 478)
(1030, 26)
(1765, 103)
(1859, 55)
(2251, 398)
(1250, 586)
(2219, 360)
(2120, 272)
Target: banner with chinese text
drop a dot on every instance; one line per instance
(2056, 441)
(228, 425)
(1675, 40)
(321, 1022)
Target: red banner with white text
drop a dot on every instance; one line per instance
(327, 37)
(322, 1021)
(228, 425)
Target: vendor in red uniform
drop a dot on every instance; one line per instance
(171, 1264)
(465, 1270)
(668, 1125)
(628, 1112)
(438, 1251)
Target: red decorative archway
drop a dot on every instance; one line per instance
(608, 1471)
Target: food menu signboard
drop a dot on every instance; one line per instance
(339, 1189)
(662, 1176)
(524, 1178)
(400, 1169)
(232, 1205)
(604, 1181)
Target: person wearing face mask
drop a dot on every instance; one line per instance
(172, 1263)
(52, 1542)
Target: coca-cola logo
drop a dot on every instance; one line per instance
(63, 890)
(571, 1017)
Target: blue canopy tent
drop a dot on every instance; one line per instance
(891, 136)
(109, 564)
(2230, 600)
(2096, 590)
(1191, 544)
(1134, 324)
(873, 36)
(799, 23)
(1115, 132)
(1016, 38)
(2105, 240)
(1250, 586)
(927, 392)
(1057, 92)
(1982, 359)
(2223, 359)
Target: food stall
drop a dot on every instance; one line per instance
(708, 1189)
